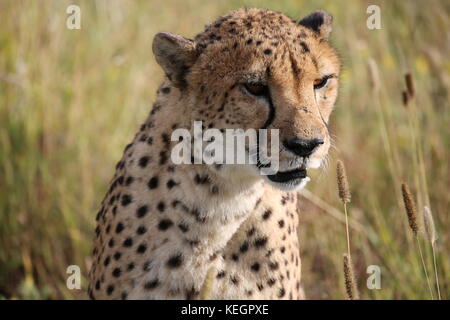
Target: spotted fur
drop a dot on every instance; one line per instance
(161, 226)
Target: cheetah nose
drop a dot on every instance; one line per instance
(302, 147)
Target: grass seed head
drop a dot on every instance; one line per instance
(428, 222)
(410, 85)
(405, 99)
(410, 208)
(344, 190)
(351, 289)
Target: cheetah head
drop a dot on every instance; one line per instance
(259, 69)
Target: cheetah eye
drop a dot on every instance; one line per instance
(320, 83)
(256, 89)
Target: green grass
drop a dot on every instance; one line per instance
(72, 99)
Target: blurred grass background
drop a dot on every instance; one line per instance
(70, 100)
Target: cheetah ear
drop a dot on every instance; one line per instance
(175, 54)
(320, 22)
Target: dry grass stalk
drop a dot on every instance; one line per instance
(410, 208)
(374, 75)
(430, 231)
(345, 195)
(344, 190)
(411, 211)
(410, 85)
(205, 291)
(350, 281)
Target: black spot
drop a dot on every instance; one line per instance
(162, 157)
(111, 243)
(151, 284)
(171, 184)
(128, 242)
(97, 285)
(304, 46)
(274, 265)
(281, 293)
(201, 179)
(165, 224)
(282, 249)
(271, 282)
(215, 190)
(175, 261)
(126, 199)
(234, 280)
(260, 242)
(107, 260)
(141, 230)
(244, 247)
(260, 287)
(141, 249)
(255, 267)
(112, 200)
(191, 293)
(153, 183)
(130, 266)
(141, 211)
(165, 138)
(249, 41)
(116, 272)
(146, 266)
(119, 227)
(258, 42)
(109, 290)
(267, 214)
(220, 274)
(196, 213)
(161, 206)
(165, 90)
(144, 161)
(117, 255)
(267, 51)
(183, 227)
(235, 257)
(281, 223)
(124, 295)
(129, 181)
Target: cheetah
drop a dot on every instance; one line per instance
(162, 225)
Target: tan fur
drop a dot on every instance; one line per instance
(226, 216)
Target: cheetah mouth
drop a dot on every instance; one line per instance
(288, 176)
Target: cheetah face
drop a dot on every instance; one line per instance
(258, 69)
